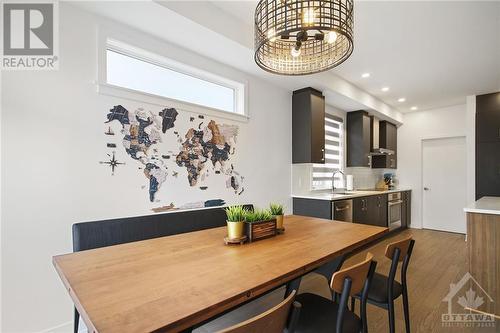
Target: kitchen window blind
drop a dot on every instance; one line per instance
(334, 155)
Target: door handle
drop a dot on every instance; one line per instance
(426, 189)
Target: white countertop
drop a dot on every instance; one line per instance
(348, 194)
(485, 205)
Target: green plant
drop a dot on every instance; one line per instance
(258, 215)
(276, 209)
(235, 213)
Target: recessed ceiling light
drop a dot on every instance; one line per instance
(414, 108)
(384, 89)
(365, 75)
(401, 100)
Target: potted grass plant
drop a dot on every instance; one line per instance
(277, 211)
(260, 223)
(235, 222)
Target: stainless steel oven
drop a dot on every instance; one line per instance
(394, 210)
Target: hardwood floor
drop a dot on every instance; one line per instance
(438, 259)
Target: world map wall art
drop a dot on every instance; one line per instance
(166, 146)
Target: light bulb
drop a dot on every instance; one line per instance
(271, 34)
(331, 37)
(308, 16)
(295, 51)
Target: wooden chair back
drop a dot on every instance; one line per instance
(402, 245)
(273, 320)
(357, 273)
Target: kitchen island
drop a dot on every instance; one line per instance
(483, 244)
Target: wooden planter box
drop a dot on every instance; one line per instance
(260, 229)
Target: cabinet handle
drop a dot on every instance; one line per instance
(323, 151)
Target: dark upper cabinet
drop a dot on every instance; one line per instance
(388, 135)
(388, 139)
(488, 145)
(487, 169)
(308, 126)
(370, 210)
(358, 139)
(488, 118)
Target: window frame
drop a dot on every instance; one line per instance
(342, 154)
(120, 44)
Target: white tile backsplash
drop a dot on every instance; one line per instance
(364, 178)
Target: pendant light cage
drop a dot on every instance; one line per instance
(298, 37)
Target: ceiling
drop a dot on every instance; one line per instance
(433, 54)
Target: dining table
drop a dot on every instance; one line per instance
(174, 283)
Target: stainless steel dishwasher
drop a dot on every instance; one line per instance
(342, 210)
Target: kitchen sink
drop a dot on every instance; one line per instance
(345, 192)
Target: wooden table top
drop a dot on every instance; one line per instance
(172, 283)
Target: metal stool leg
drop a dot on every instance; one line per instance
(406, 310)
(76, 321)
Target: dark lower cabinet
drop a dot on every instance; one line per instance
(406, 209)
(313, 207)
(360, 210)
(370, 210)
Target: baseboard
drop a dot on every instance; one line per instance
(66, 328)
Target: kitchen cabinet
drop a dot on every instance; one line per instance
(487, 169)
(358, 139)
(313, 207)
(388, 139)
(406, 209)
(488, 118)
(308, 126)
(488, 145)
(370, 210)
(360, 210)
(388, 135)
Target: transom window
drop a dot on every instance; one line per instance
(138, 70)
(334, 155)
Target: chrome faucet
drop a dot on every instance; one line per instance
(333, 178)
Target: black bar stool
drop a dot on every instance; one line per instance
(319, 314)
(385, 289)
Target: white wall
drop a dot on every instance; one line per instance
(430, 124)
(51, 143)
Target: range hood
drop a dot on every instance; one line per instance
(375, 139)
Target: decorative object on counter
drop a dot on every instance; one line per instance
(277, 211)
(349, 183)
(298, 37)
(260, 224)
(381, 185)
(235, 224)
(390, 180)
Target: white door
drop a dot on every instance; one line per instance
(444, 184)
